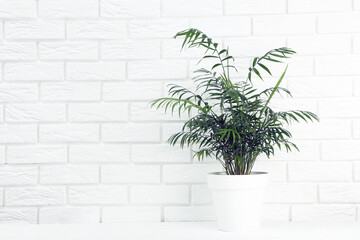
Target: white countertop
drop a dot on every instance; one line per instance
(180, 231)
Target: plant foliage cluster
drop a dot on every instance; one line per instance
(234, 122)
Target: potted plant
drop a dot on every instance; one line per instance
(234, 124)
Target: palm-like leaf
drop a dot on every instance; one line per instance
(234, 123)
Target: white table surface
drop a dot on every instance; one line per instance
(180, 231)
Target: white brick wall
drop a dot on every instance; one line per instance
(79, 144)
(30, 71)
(18, 9)
(323, 213)
(68, 8)
(57, 215)
(98, 195)
(70, 174)
(34, 30)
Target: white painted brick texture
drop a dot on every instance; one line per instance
(80, 144)
(35, 30)
(98, 195)
(69, 215)
(18, 9)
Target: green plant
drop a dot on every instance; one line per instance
(234, 122)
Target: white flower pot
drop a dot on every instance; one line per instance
(238, 200)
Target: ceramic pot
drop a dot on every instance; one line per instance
(238, 200)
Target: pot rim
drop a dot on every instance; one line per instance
(253, 173)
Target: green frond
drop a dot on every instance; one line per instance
(233, 121)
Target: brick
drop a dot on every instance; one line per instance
(236, 26)
(17, 51)
(357, 171)
(279, 25)
(60, 133)
(129, 8)
(35, 113)
(34, 71)
(18, 176)
(131, 91)
(156, 28)
(171, 49)
(18, 134)
(312, 87)
(159, 153)
(130, 174)
(323, 213)
(338, 23)
(34, 30)
(189, 173)
(2, 155)
(99, 153)
(2, 197)
(342, 107)
(333, 65)
(69, 215)
(144, 112)
(35, 196)
(340, 150)
(196, 8)
(189, 214)
(18, 9)
(277, 171)
(2, 113)
(18, 216)
(96, 30)
(356, 44)
(168, 129)
(241, 7)
(339, 193)
(291, 193)
(320, 171)
(174, 194)
(68, 9)
(131, 214)
(17, 92)
(326, 129)
(254, 46)
(102, 71)
(318, 6)
(70, 174)
(300, 66)
(130, 50)
(357, 87)
(174, 69)
(200, 194)
(70, 91)
(68, 51)
(284, 104)
(275, 212)
(36, 154)
(98, 195)
(309, 151)
(88, 112)
(130, 132)
(320, 45)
